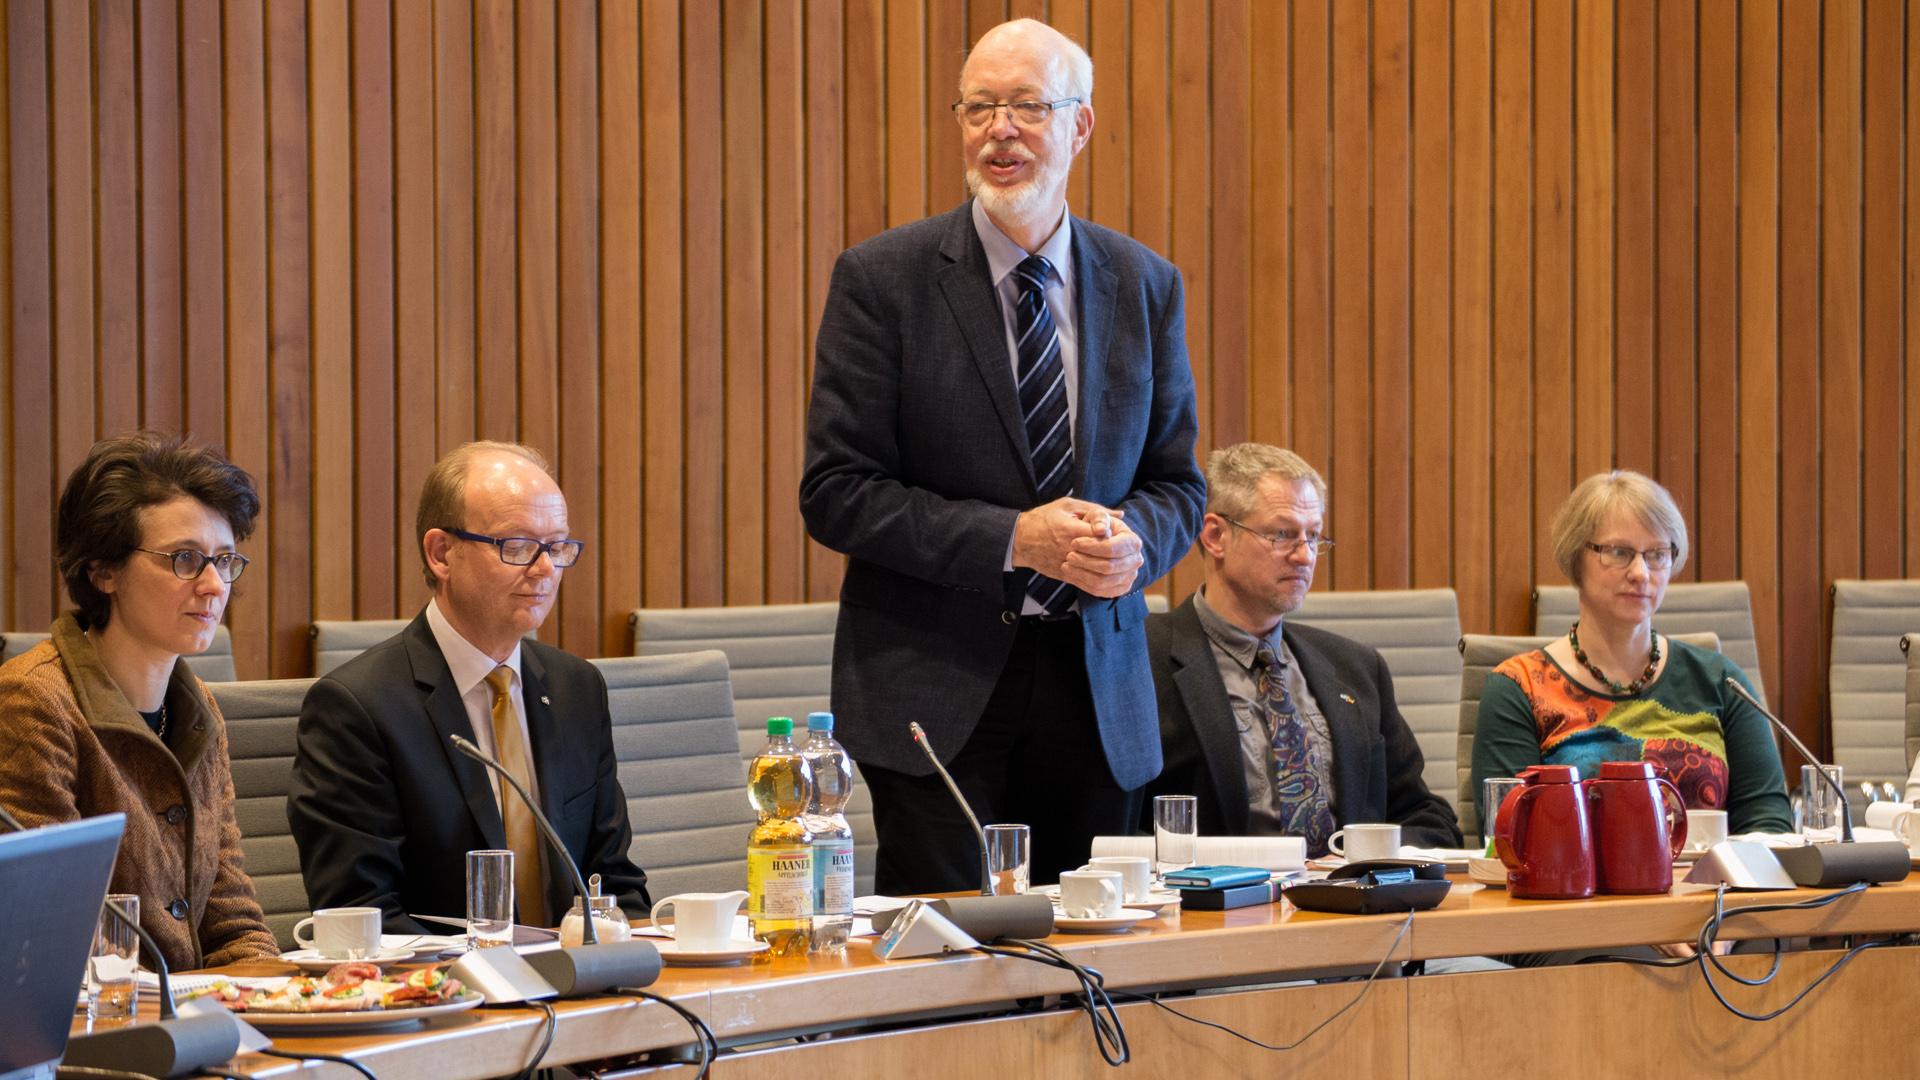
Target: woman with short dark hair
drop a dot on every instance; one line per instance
(105, 716)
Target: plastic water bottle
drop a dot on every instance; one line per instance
(832, 836)
(780, 849)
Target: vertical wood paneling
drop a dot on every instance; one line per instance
(1460, 254)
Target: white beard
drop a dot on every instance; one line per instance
(1023, 203)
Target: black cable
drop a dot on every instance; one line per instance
(1371, 978)
(709, 1046)
(1710, 931)
(546, 1041)
(296, 1055)
(1109, 1036)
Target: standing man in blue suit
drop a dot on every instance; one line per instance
(1001, 438)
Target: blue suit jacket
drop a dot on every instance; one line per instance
(917, 465)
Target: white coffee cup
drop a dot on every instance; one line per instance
(341, 933)
(1880, 815)
(702, 921)
(1136, 874)
(1906, 826)
(1705, 828)
(1361, 843)
(1091, 894)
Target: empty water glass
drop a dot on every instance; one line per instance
(1176, 827)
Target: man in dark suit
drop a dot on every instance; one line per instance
(1001, 438)
(1278, 729)
(383, 807)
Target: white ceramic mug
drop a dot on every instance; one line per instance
(1090, 894)
(1906, 826)
(1880, 815)
(341, 933)
(1360, 843)
(1136, 874)
(1705, 828)
(702, 921)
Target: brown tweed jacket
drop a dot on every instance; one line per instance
(72, 746)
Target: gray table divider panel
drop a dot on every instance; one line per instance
(1418, 633)
(1718, 607)
(781, 659)
(214, 665)
(1867, 678)
(261, 716)
(337, 641)
(1479, 655)
(679, 764)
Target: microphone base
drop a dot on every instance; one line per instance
(582, 970)
(984, 918)
(166, 1048)
(1834, 866)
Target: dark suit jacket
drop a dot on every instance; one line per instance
(1376, 761)
(917, 465)
(384, 809)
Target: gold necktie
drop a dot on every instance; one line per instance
(523, 836)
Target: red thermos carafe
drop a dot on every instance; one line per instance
(1542, 836)
(1639, 826)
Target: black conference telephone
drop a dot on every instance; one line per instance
(1375, 887)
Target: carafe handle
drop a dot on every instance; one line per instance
(1676, 808)
(1510, 827)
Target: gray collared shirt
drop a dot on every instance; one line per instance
(1234, 651)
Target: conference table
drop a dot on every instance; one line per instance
(968, 1015)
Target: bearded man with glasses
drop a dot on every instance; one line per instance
(1279, 729)
(382, 806)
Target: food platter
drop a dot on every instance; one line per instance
(375, 1018)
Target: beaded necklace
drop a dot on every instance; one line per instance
(1617, 689)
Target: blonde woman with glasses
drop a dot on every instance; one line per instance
(1614, 689)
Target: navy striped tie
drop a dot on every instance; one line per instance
(1043, 402)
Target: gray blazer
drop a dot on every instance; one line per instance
(917, 464)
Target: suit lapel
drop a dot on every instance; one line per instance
(448, 715)
(967, 283)
(1343, 724)
(1197, 676)
(1095, 285)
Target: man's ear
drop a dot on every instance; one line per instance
(438, 547)
(102, 578)
(1213, 535)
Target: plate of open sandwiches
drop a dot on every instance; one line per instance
(354, 993)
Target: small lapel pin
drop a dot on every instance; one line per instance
(544, 701)
(1348, 698)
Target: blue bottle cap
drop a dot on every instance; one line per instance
(819, 721)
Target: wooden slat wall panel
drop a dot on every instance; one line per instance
(1458, 254)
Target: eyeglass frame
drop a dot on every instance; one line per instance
(232, 558)
(546, 547)
(1052, 107)
(1317, 545)
(1672, 552)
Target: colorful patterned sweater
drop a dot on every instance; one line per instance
(1716, 747)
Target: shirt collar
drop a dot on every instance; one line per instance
(469, 665)
(1003, 255)
(1238, 643)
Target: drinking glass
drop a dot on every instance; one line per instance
(489, 898)
(113, 983)
(1823, 808)
(1009, 858)
(1176, 825)
(1495, 790)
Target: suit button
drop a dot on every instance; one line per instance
(1008, 617)
(176, 814)
(178, 909)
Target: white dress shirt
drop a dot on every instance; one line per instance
(1003, 257)
(470, 669)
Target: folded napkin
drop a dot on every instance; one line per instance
(1277, 853)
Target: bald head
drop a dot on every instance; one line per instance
(1067, 67)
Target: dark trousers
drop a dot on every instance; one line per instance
(1034, 759)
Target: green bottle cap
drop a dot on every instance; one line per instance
(779, 725)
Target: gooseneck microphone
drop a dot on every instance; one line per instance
(1826, 866)
(590, 967)
(986, 872)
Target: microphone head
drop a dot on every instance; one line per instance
(919, 735)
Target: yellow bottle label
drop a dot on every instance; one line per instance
(780, 882)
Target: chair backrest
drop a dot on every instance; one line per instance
(1418, 633)
(337, 641)
(679, 764)
(1907, 645)
(1157, 604)
(261, 717)
(1724, 608)
(1479, 655)
(781, 659)
(214, 665)
(1867, 677)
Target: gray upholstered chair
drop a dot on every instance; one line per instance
(1907, 644)
(781, 659)
(1867, 677)
(1418, 633)
(674, 736)
(1724, 608)
(261, 716)
(1479, 655)
(1157, 604)
(214, 665)
(337, 641)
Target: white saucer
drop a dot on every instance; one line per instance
(1158, 901)
(737, 950)
(310, 960)
(1123, 921)
(1489, 872)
